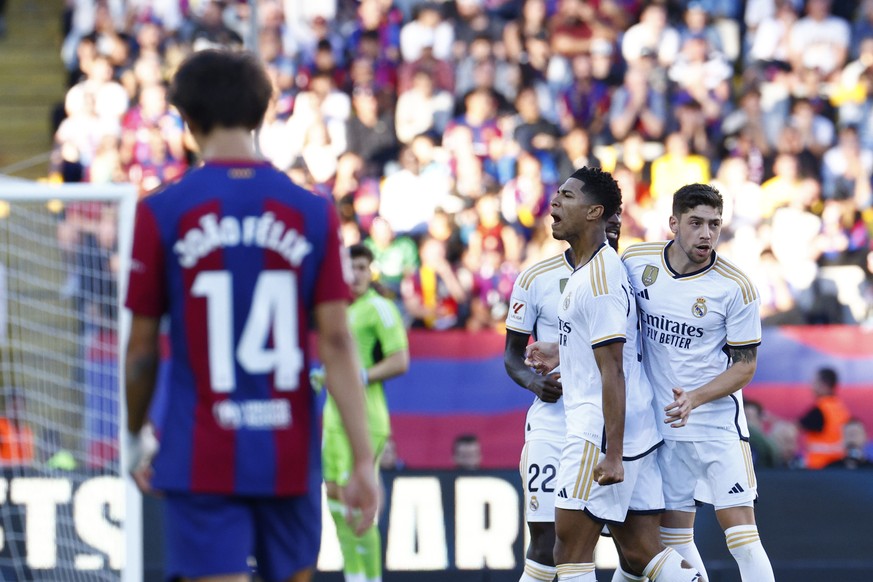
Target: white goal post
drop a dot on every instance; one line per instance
(68, 512)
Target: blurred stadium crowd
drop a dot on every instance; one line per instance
(441, 129)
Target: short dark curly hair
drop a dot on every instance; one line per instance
(600, 186)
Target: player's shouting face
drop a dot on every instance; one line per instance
(696, 232)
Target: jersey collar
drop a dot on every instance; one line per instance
(676, 275)
(597, 252)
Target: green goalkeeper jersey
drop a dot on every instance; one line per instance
(378, 330)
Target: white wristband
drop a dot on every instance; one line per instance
(365, 378)
(140, 448)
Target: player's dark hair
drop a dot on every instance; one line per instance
(693, 195)
(221, 88)
(828, 377)
(358, 251)
(600, 186)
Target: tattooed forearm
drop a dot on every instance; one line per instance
(744, 355)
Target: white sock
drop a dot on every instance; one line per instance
(536, 572)
(576, 573)
(745, 546)
(355, 577)
(621, 576)
(682, 540)
(667, 567)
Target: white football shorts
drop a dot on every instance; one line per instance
(539, 473)
(640, 492)
(716, 472)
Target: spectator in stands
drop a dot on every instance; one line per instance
(585, 101)
(823, 423)
(819, 40)
(675, 168)
(370, 130)
(651, 36)
(210, 31)
(467, 452)
(428, 29)
(389, 461)
(395, 257)
(847, 170)
(857, 454)
(638, 105)
(786, 436)
(422, 109)
(816, 131)
(702, 75)
(764, 452)
(433, 296)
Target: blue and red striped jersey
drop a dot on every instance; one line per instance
(237, 256)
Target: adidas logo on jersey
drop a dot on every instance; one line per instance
(644, 294)
(563, 493)
(736, 489)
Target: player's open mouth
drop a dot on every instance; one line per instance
(556, 219)
(612, 232)
(703, 249)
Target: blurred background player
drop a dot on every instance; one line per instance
(240, 258)
(383, 350)
(692, 304)
(533, 311)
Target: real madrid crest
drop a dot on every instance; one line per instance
(567, 301)
(534, 503)
(699, 307)
(650, 275)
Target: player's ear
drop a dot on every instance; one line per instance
(595, 212)
(674, 224)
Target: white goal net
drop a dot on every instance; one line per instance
(63, 251)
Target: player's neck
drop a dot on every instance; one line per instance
(224, 143)
(587, 244)
(680, 263)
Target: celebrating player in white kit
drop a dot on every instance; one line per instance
(533, 312)
(608, 470)
(701, 326)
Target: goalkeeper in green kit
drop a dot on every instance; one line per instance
(383, 350)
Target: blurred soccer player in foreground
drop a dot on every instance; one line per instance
(240, 259)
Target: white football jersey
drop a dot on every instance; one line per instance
(533, 310)
(687, 324)
(597, 308)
